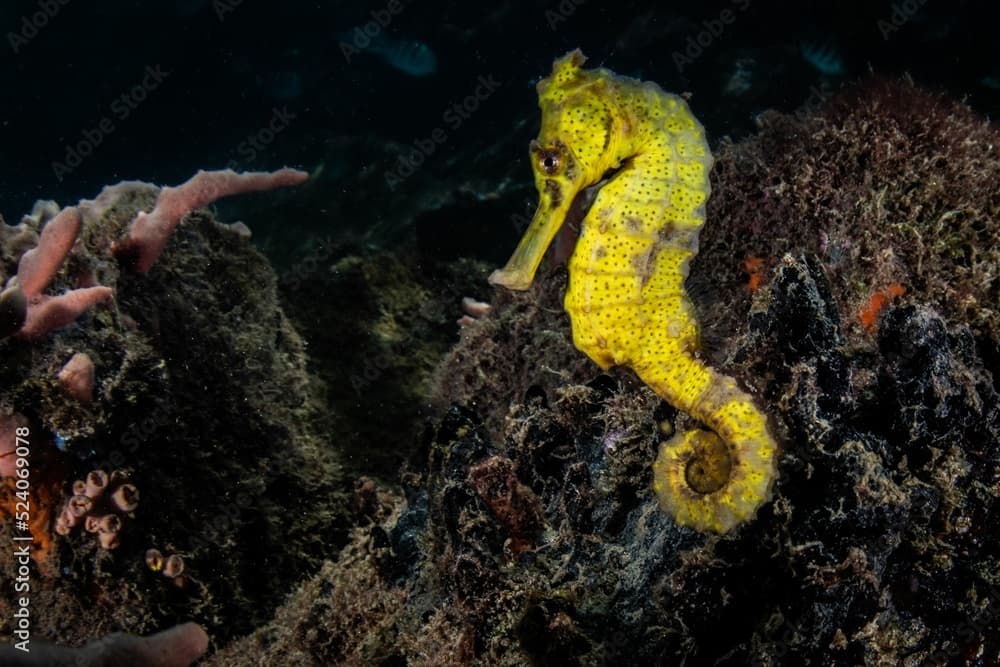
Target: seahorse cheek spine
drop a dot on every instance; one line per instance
(626, 297)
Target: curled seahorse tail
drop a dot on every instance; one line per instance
(712, 479)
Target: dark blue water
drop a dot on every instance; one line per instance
(96, 92)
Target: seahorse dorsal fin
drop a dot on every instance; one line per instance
(565, 68)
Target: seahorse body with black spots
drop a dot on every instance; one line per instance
(626, 296)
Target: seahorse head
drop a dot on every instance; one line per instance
(583, 135)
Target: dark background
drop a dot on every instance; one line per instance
(230, 65)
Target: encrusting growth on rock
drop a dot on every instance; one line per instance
(77, 378)
(626, 296)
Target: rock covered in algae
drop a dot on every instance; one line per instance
(377, 325)
(202, 394)
(879, 546)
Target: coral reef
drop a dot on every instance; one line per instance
(527, 531)
(201, 390)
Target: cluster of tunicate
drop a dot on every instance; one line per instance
(171, 567)
(100, 504)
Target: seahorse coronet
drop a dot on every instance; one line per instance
(626, 297)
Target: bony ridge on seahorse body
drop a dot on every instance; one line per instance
(626, 297)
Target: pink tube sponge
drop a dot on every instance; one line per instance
(42, 313)
(148, 233)
(38, 266)
(49, 313)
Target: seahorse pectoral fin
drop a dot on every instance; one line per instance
(520, 270)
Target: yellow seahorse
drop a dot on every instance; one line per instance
(626, 297)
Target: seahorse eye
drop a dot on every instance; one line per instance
(550, 163)
(550, 157)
